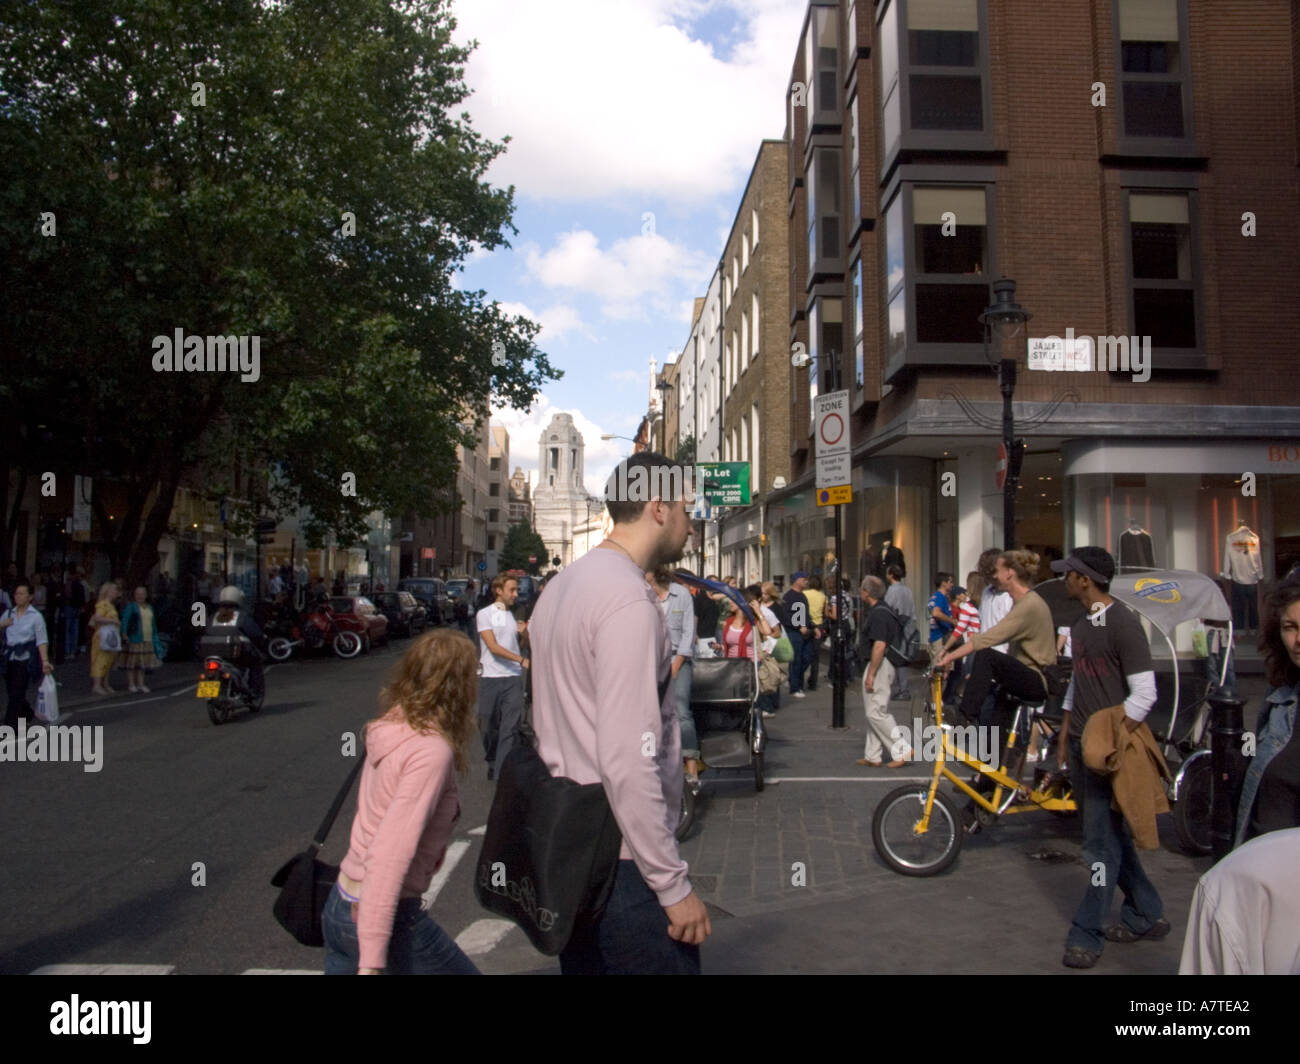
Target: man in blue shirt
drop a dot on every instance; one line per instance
(939, 610)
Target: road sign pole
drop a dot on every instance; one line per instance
(837, 638)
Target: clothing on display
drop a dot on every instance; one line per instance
(1242, 566)
(1135, 549)
(1241, 561)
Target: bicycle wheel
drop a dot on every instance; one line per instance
(279, 649)
(893, 830)
(1192, 811)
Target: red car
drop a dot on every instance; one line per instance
(356, 613)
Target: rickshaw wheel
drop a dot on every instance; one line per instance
(1192, 811)
(910, 854)
(687, 818)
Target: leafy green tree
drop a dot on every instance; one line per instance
(685, 452)
(292, 172)
(523, 542)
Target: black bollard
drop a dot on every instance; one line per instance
(1228, 764)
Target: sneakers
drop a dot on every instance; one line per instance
(767, 714)
(797, 694)
(1078, 957)
(1120, 933)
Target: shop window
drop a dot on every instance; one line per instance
(1163, 284)
(1152, 44)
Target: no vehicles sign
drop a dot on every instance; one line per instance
(834, 447)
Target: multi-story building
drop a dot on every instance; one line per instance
(521, 498)
(1132, 165)
(498, 492)
(698, 414)
(756, 363)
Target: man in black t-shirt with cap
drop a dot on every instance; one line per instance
(1112, 664)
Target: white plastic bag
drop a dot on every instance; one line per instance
(47, 701)
(110, 638)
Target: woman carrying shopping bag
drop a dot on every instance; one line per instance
(26, 652)
(105, 637)
(374, 921)
(144, 649)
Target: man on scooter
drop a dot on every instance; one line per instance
(252, 639)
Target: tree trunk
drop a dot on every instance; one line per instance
(143, 554)
(10, 546)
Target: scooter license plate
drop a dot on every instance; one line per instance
(209, 689)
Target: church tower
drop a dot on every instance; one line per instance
(559, 503)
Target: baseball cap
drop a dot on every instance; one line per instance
(1093, 562)
(799, 576)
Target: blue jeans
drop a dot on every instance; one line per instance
(690, 737)
(800, 660)
(418, 946)
(631, 936)
(1107, 841)
(71, 626)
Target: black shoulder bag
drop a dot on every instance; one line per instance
(305, 882)
(550, 852)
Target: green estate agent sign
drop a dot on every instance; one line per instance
(725, 483)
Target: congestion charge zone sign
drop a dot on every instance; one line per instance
(725, 483)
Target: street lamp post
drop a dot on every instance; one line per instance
(1003, 312)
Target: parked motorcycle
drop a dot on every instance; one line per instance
(317, 629)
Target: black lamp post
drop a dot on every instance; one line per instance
(1005, 312)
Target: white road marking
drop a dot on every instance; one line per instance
(281, 971)
(481, 830)
(483, 936)
(455, 851)
(106, 969)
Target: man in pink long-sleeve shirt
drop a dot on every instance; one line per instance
(600, 653)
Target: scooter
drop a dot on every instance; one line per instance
(224, 684)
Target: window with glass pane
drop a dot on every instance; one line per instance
(753, 318)
(744, 341)
(1151, 68)
(946, 311)
(753, 226)
(744, 253)
(855, 322)
(854, 162)
(944, 34)
(828, 56)
(1160, 241)
(951, 230)
(894, 246)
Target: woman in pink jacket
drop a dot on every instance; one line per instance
(374, 921)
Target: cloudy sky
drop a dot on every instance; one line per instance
(634, 125)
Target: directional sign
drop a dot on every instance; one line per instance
(834, 448)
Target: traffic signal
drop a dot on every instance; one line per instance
(264, 530)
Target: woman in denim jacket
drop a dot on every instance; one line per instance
(1275, 729)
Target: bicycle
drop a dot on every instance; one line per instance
(918, 829)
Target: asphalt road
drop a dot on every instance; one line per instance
(100, 867)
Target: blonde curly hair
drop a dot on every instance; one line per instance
(434, 688)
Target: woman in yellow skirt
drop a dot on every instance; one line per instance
(101, 660)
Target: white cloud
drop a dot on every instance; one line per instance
(555, 320)
(599, 456)
(635, 277)
(612, 101)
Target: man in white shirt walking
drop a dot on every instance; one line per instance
(500, 688)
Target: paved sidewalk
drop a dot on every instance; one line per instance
(73, 678)
(795, 885)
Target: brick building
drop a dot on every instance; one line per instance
(1132, 165)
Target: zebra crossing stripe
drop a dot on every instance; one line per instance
(483, 936)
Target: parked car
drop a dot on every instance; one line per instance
(405, 614)
(431, 593)
(356, 613)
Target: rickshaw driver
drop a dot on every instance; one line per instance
(1028, 628)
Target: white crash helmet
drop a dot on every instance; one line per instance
(230, 596)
